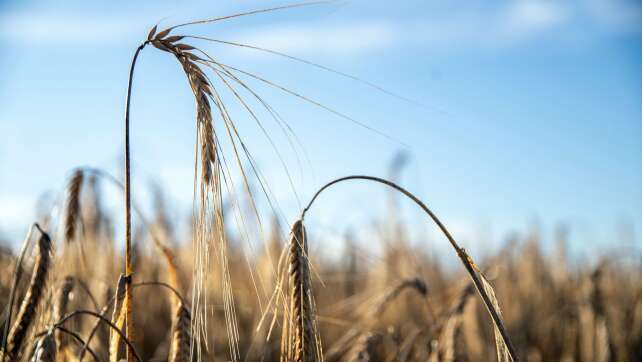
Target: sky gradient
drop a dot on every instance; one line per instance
(527, 112)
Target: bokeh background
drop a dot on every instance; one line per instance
(521, 114)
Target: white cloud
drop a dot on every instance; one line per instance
(620, 15)
(346, 39)
(504, 24)
(78, 29)
(531, 17)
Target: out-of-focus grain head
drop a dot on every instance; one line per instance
(28, 309)
(180, 349)
(45, 349)
(72, 205)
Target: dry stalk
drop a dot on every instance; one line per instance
(414, 283)
(114, 328)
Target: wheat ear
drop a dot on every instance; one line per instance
(60, 306)
(451, 334)
(181, 335)
(209, 163)
(304, 346)
(118, 318)
(364, 349)
(72, 205)
(28, 309)
(45, 350)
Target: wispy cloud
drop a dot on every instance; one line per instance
(526, 18)
(338, 39)
(494, 27)
(498, 24)
(77, 29)
(619, 15)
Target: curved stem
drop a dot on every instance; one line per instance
(104, 310)
(78, 339)
(470, 266)
(164, 285)
(129, 330)
(106, 321)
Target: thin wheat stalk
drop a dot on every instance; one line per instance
(413, 283)
(129, 269)
(101, 318)
(58, 328)
(103, 312)
(505, 348)
(94, 329)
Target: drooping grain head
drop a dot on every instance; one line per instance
(201, 88)
(29, 307)
(210, 188)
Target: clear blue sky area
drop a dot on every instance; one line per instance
(531, 111)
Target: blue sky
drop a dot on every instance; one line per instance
(531, 111)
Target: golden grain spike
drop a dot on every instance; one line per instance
(60, 307)
(364, 349)
(181, 335)
(72, 205)
(301, 298)
(118, 319)
(28, 309)
(45, 349)
(150, 36)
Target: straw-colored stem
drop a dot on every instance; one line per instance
(129, 270)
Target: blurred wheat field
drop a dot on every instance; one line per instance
(75, 292)
(404, 305)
